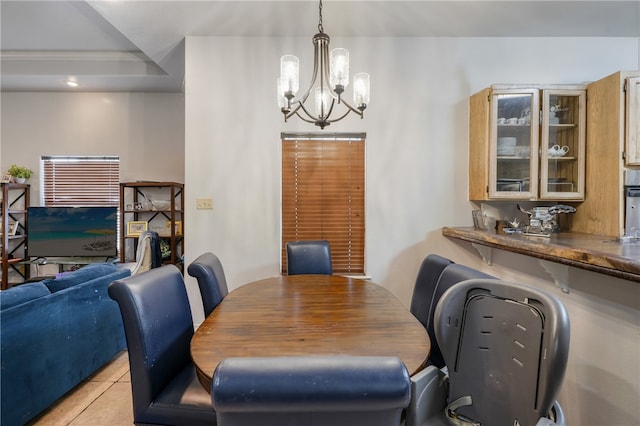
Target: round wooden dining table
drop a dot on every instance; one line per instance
(300, 315)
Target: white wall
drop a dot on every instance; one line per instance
(146, 130)
(417, 161)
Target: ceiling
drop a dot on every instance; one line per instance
(126, 45)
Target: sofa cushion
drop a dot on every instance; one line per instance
(22, 294)
(82, 275)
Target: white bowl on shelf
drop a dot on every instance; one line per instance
(161, 205)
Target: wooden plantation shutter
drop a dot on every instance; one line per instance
(80, 181)
(323, 196)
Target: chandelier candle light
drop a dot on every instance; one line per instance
(331, 72)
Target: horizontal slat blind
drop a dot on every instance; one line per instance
(80, 181)
(323, 198)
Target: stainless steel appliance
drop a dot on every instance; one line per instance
(632, 203)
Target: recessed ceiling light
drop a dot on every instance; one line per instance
(72, 83)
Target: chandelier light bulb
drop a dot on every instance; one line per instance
(290, 73)
(361, 86)
(323, 100)
(339, 67)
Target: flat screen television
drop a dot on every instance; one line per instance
(72, 231)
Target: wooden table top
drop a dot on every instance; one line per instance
(309, 315)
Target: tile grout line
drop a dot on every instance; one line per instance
(91, 402)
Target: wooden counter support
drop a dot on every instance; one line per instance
(597, 253)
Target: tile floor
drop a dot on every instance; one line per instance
(103, 399)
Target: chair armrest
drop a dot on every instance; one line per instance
(428, 397)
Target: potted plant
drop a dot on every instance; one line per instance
(20, 174)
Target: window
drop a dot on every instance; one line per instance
(323, 195)
(80, 181)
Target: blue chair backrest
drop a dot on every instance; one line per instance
(309, 257)
(310, 391)
(207, 269)
(158, 328)
(424, 288)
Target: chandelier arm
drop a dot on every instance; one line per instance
(300, 103)
(340, 118)
(311, 116)
(358, 111)
(305, 119)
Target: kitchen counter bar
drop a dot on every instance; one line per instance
(597, 253)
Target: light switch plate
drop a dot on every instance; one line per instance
(204, 203)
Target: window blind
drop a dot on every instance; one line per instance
(323, 197)
(80, 181)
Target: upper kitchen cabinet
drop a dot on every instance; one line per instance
(527, 143)
(632, 120)
(562, 148)
(613, 124)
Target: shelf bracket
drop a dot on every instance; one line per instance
(559, 273)
(485, 252)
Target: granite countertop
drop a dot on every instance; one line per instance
(598, 253)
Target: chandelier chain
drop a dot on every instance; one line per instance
(320, 27)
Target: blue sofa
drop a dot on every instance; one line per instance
(54, 334)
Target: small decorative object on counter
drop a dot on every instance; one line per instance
(544, 220)
(478, 220)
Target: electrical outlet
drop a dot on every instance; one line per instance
(204, 203)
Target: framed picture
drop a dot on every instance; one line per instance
(135, 228)
(6, 178)
(177, 226)
(13, 227)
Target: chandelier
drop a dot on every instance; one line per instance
(331, 73)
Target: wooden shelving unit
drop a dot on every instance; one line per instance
(15, 202)
(139, 202)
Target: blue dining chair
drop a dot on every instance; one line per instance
(328, 390)
(207, 270)
(425, 285)
(158, 328)
(309, 257)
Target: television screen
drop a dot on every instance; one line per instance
(71, 231)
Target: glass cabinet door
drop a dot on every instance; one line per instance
(562, 146)
(513, 144)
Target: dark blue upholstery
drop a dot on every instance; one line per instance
(158, 327)
(50, 344)
(451, 275)
(309, 257)
(22, 294)
(310, 391)
(426, 282)
(207, 269)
